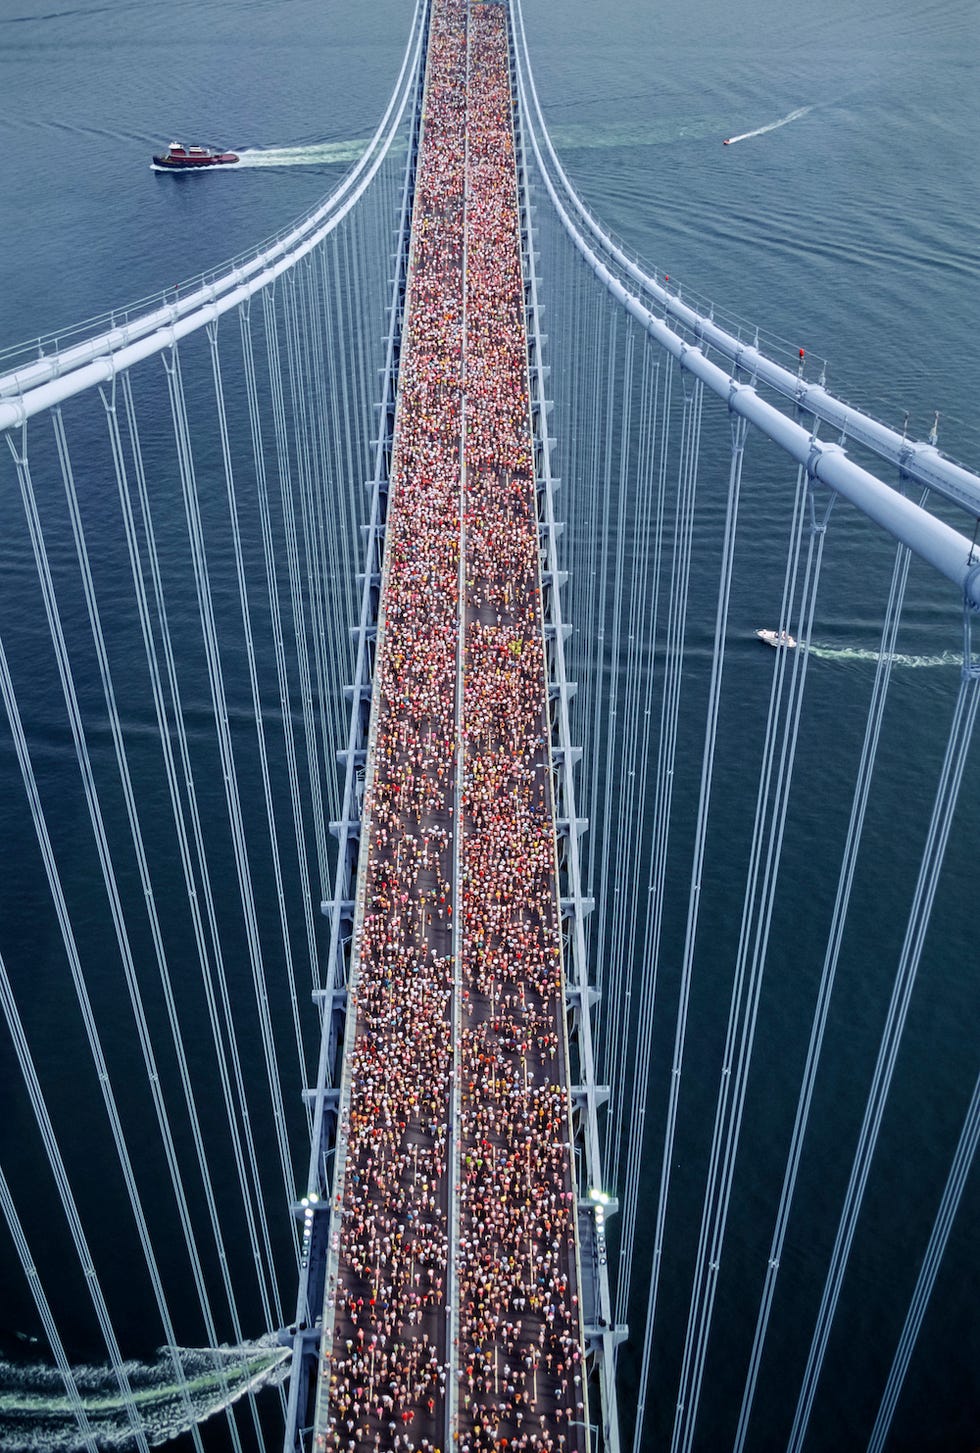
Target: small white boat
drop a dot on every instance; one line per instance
(776, 638)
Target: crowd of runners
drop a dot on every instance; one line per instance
(520, 1333)
(467, 1012)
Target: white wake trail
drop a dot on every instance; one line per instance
(322, 153)
(772, 126)
(857, 653)
(36, 1416)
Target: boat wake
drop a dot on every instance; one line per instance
(322, 153)
(773, 126)
(908, 662)
(601, 136)
(36, 1415)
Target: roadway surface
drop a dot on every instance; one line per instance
(452, 1317)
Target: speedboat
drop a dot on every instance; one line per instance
(180, 158)
(776, 638)
(727, 141)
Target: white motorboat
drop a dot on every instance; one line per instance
(776, 638)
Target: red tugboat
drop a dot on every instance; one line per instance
(181, 158)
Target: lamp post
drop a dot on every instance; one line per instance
(600, 1201)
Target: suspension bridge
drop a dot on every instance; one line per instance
(426, 1021)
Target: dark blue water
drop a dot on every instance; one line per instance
(89, 92)
(852, 230)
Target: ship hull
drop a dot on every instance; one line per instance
(165, 164)
(192, 159)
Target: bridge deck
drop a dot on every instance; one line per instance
(452, 1315)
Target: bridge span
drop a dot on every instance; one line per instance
(544, 995)
(452, 1315)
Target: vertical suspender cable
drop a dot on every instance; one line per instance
(852, 844)
(959, 1171)
(346, 512)
(139, 851)
(585, 561)
(327, 654)
(933, 853)
(350, 472)
(746, 990)
(10, 1012)
(676, 626)
(600, 697)
(638, 712)
(188, 872)
(331, 642)
(219, 701)
(362, 339)
(295, 583)
(93, 804)
(330, 537)
(275, 614)
(253, 677)
(648, 906)
(209, 946)
(86, 1435)
(615, 737)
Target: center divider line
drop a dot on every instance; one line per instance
(456, 1018)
